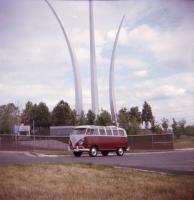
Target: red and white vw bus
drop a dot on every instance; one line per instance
(93, 139)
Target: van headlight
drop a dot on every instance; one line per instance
(80, 143)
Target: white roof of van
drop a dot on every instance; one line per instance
(94, 126)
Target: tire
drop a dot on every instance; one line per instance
(77, 154)
(93, 151)
(120, 151)
(104, 153)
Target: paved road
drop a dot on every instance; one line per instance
(179, 161)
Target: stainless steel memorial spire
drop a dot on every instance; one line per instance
(76, 72)
(94, 87)
(77, 79)
(111, 77)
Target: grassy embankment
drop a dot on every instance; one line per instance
(57, 181)
(184, 142)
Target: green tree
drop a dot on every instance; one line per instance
(153, 123)
(165, 124)
(62, 114)
(178, 127)
(124, 119)
(42, 116)
(155, 126)
(146, 114)
(135, 114)
(181, 128)
(130, 120)
(73, 118)
(34, 116)
(174, 126)
(182, 123)
(104, 119)
(158, 128)
(27, 113)
(134, 120)
(9, 116)
(91, 117)
(133, 126)
(82, 120)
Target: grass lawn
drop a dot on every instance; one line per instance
(51, 152)
(73, 182)
(184, 142)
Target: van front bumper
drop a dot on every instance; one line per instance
(80, 149)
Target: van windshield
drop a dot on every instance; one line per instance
(79, 131)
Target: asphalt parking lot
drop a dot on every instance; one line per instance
(177, 161)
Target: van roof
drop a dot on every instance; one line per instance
(94, 126)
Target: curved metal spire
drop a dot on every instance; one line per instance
(76, 72)
(111, 77)
(94, 87)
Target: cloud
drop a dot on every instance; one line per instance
(130, 61)
(154, 57)
(141, 73)
(170, 48)
(161, 92)
(169, 96)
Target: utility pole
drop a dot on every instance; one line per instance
(33, 136)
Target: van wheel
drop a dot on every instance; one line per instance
(120, 151)
(104, 153)
(93, 151)
(77, 154)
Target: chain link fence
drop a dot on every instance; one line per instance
(40, 142)
(153, 141)
(36, 142)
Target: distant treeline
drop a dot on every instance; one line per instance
(62, 115)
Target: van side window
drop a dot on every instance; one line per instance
(108, 131)
(102, 132)
(79, 131)
(121, 132)
(95, 131)
(115, 132)
(90, 132)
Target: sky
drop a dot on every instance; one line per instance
(154, 57)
